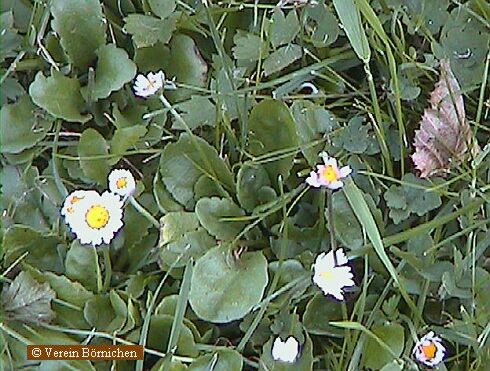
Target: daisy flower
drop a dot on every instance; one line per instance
(96, 218)
(71, 202)
(332, 277)
(285, 351)
(150, 84)
(429, 350)
(121, 182)
(329, 174)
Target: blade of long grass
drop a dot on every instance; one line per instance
(363, 214)
(351, 21)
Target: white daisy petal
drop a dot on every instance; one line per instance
(97, 218)
(329, 174)
(285, 351)
(122, 182)
(429, 350)
(145, 86)
(72, 200)
(332, 277)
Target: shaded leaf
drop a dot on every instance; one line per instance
(250, 179)
(81, 265)
(124, 139)
(20, 127)
(197, 111)
(93, 144)
(192, 157)
(392, 334)
(444, 134)
(210, 212)
(249, 47)
(325, 26)
(281, 58)
(26, 300)
(59, 95)
(147, 30)
(114, 69)
(81, 26)
(162, 8)
(283, 29)
(221, 360)
(10, 40)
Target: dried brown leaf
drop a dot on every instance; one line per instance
(444, 134)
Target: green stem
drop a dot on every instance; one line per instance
(108, 268)
(143, 212)
(331, 224)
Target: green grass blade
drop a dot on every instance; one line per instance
(351, 21)
(363, 214)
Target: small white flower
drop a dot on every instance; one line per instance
(285, 351)
(96, 218)
(429, 350)
(330, 277)
(150, 84)
(72, 201)
(121, 182)
(329, 174)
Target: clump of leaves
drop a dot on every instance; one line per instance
(444, 135)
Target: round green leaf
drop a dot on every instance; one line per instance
(251, 178)
(272, 128)
(319, 312)
(59, 95)
(393, 335)
(211, 210)
(181, 237)
(147, 30)
(159, 333)
(114, 69)
(222, 360)
(98, 312)
(81, 265)
(182, 164)
(81, 26)
(93, 144)
(19, 127)
(162, 8)
(224, 290)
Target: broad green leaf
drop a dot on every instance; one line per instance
(26, 300)
(357, 137)
(81, 265)
(124, 139)
(81, 26)
(272, 128)
(10, 40)
(41, 249)
(249, 47)
(147, 30)
(59, 95)
(187, 66)
(182, 237)
(193, 157)
(250, 179)
(98, 312)
(159, 333)
(114, 69)
(347, 228)
(325, 26)
(311, 122)
(283, 29)
(221, 360)
(319, 312)
(162, 8)
(350, 19)
(20, 128)
(281, 58)
(210, 212)
(197, 112)
(93, 144)
(393, 335)
(224, 290)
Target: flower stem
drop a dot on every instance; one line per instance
(143, 211)
(331, 224)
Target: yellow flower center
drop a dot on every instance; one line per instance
(429, 350)
(329, 173)
(97, 217)
(327, 275)
(121, 183)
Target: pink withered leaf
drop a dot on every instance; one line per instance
(444, 135)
